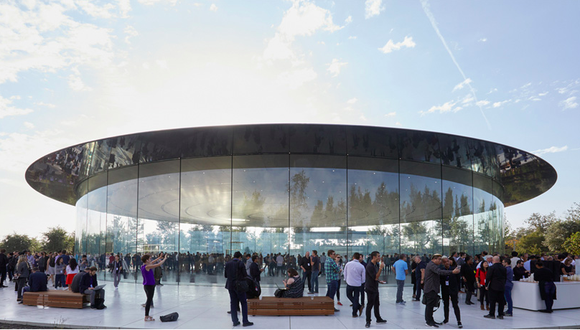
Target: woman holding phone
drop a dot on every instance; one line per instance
(149, 280)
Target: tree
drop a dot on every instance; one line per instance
(533, 243)
(572, 243)
(17, 242)
(57, 239)
(558, 232)
(541, 222)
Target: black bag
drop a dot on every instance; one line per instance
(169, 317)
(255, 290)
(279, 293)
(241, 284)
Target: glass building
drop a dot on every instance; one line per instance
(201, 194)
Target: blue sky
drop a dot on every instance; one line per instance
(72, 71)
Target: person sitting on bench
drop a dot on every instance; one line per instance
(294, 285)
(88, 285)
(37, 282)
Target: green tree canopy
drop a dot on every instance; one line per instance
(15, 242)
(57, 239)
(572, 243)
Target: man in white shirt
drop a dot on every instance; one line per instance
(354, 276)
(514, 259)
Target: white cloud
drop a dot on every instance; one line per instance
(462, 84)
(153, 2)
(76, 83)
(6, 109)
(352, 101)
(96, 11)
(297, 78)
(352, 37)
(124, 7)
(373, 8)
(302, 19)
(391, 114)
(390, 46)
(446, 107)
(130, 32)
(569, 103)
(550, 150)
(467, 99)
(348, 20)
(483, 40)
(161, 63)
(28, 125)
(48, 105)
(543, 94)
(213, 7)
(334, 67)
(500, 103)
(482, 103)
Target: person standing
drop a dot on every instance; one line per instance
(481, 279)
(401, 270)
(419, 276)
(372, 274)
(71, 270)
(450, 291)
(332, 276)
(117, 269)
(322, 263)
(3, 264)
(468, 275)
(149, 280)
(432, 285)
(354, 274)
(23, 271)
(362, 287)
(496, 278)
(236, 271)
(306, 270)
(508, 286)
(315, 264)
(545, 279)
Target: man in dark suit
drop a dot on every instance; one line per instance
(235, 270)
(37, 281)
(495, 279)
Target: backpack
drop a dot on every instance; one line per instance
(254, 288)
(169, 317)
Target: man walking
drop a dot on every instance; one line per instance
(495, 279)
(332, 275)
(354, 274)
(432, 285)
(236, 271)
(372, 274)
(401, 270)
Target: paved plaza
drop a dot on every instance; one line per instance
(202, 307)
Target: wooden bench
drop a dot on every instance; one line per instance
(313, 305)
(55, 298)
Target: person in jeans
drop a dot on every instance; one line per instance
(545, 277)
(354, 274)
(332, 275)
(117, 269)
(401, 270)
(509, 285)
(432, 286)
(306, 270)
(372, 275)
(315, 264)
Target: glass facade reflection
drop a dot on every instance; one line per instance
(201, 194)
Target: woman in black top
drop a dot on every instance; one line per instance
(567, 267)
(294, 287)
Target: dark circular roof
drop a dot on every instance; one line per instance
(522, 175)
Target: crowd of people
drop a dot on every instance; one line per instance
(489, 277)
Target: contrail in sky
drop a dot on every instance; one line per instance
(425, 4)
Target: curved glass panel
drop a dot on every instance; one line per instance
(205, 228)
(420, 146)
(420, 208)
(124, 151)
(317, 139)
(261, 139)
(158, 213)
(455, 151)
(373, 206)
(372, 142)
(457, 222)
(96, 228)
